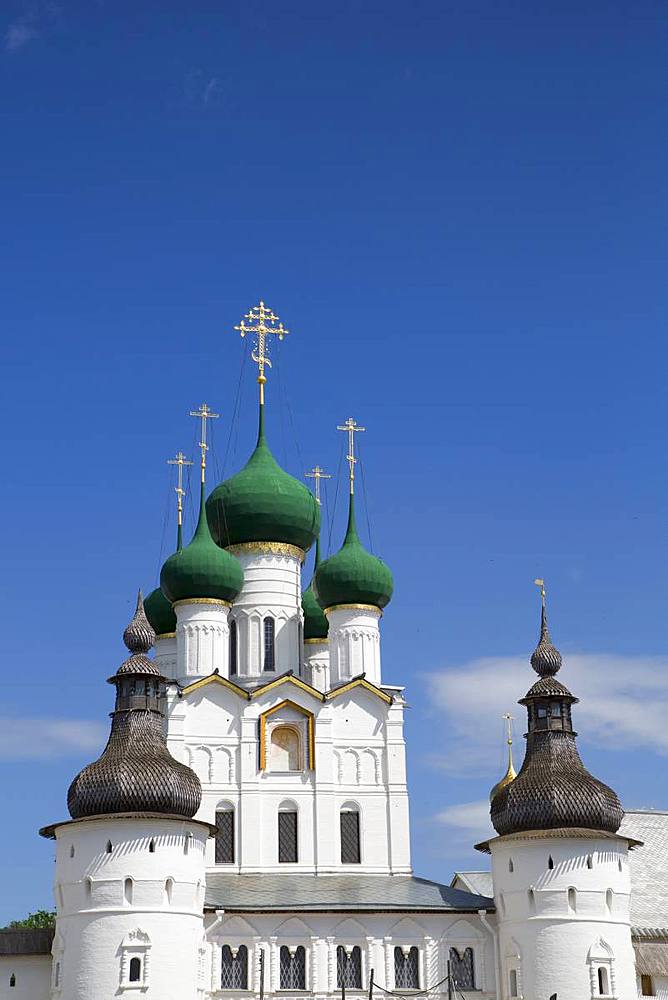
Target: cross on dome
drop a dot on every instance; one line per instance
(204, 413)
(317, 473)
(263, 322)
(351, 428)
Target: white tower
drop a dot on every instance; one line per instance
(129, 881)
(560, 869)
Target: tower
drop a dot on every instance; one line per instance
(560, 868)
(129, 880)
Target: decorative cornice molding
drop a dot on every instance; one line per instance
(216, 679)
(360, 682)
(354, 607)
(165, 635)
(288, 679)
(312, 642)
(268, 548)
(203, 600)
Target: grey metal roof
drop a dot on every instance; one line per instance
(649, 870)
(352, 893)
(478, 882)
(26, 941)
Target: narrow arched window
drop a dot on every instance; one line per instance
(348, 968)
(109, 847)
(350, 837)
(269, 644)
(590, 861)
(511, 866)
(602, 981)
(609, 900)
(233, 648)
(186, 843)
(292, 972)
(462, 969)
(234, 968)
(128, 891)
(169, 891)
(71, 850)
(532, 901)
(572, 900)
(12, 980)
(287, 836)
(151, 846)
(135, 970)
(406, 968)
(619, 865)
(225, 836)
(550, 863)
(512, 982)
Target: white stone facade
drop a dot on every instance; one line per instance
(354, 642)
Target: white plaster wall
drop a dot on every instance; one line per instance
(316, 664)
(272, 587)
(376, 934)
(359, 759)
(354, 642)
(165, 655)
(33, 977)
(98, 911)
(546, 938)
(202, 639)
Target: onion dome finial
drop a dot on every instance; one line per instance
(553, 789)
(136, 772)
(511, 773)
(545, 659)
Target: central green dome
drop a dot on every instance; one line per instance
(201, 569)
(262, 503)
(353, 575)
(316, 625)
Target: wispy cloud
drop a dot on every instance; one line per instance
(26, 27)
(624, 703)
(43, 739)
(467, 823)
(201, 88)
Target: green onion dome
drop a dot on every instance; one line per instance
(201, 569)
(353, 575)
(262, 503)
(316, 625)
(160, 613)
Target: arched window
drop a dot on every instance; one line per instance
(186, 843)
(532, 901)
(590, 861)
(135, 970)
(233, 649)
(234, 968)
(225, 836)
(511, 866)
(151, 846)
(286, 752)
(169, 891)
(109, 847)
(512, 982)
(406, 968)
(292, 968)
(550, 863)
(572, 900)
(128, 891)
(462, 969)
(603, 989)
(12, 980)
(269, 644)
(350, 836)
(349, 968)
(287, 838)
(71, 850)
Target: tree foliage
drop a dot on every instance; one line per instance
(41, 918)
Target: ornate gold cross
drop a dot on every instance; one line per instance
(317, 473)
(263, 322)
(351, 427)
(179, 461)
(204, 414)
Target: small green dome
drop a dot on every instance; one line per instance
(316, 625)
(262, 503)
(352, 575)
(201, 569)
(159, 612)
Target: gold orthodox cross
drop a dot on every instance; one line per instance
(179, 461)
(317, 473)
(204, 414)
(351, 427)
(263, 322)
(509, 727)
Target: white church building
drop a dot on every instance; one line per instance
(245, 832)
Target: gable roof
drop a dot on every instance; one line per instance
(359, 681)
(287, 678)
(216, 678)
(294, 893)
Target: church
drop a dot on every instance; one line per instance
(245, 831)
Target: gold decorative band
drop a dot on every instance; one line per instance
(355, 607)
(203, 600)
(165, 635)
(274, 548)
(314, 641)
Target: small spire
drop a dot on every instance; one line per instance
(139, 636)
(179, 461)
(545, 659)
(351, 428)
(511, 773)
(263, 322)
(204, 414)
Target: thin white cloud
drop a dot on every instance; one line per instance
(18, 34)
(26, 27)
(624, 703)
(44, 739)
(467, 823)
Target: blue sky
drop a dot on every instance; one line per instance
(460, 213)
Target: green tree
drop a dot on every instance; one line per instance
(41, 918)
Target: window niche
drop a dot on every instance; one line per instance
(135, 961)
(292, 967)
(234, 967)
(349, 967)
